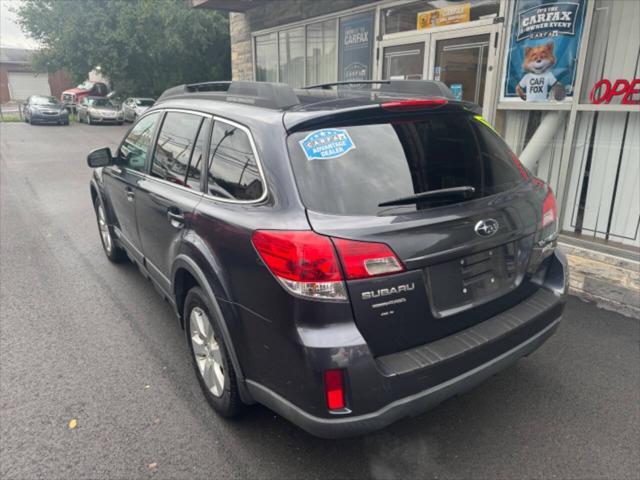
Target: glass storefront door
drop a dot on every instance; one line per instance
(403, 62)
(461, 64)
(462, 58)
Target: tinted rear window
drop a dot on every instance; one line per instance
(350, 170)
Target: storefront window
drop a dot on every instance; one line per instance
(613, 54)
(321, 52)
(267, 58)
(291, 45)
(435, 13)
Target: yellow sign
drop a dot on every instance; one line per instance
(444, 16)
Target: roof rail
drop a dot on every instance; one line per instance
(261, 94)
(428, 88)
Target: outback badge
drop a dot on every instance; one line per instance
(487, 227)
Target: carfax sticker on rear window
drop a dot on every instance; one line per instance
(326, 143)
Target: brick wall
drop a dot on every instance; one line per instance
(276, 13)
(60, 81)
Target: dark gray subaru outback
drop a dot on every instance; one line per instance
(347, 256)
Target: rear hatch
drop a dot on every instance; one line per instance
(465, 246)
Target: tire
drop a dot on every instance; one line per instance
(212, 362)
(120, 123)
(113, 252)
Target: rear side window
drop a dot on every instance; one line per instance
(174, 147)
(360, 167)
(233, 168)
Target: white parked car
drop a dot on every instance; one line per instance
(134, 107)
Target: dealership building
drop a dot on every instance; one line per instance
(559, 79)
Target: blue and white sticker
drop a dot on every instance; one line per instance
(326, 143)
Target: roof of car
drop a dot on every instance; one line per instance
(270, 102)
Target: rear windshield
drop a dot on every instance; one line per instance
(351, 170)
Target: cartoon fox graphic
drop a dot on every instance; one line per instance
(538, 62)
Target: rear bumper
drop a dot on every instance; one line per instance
(386, 389)
(405, 407)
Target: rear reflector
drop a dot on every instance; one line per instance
(549, 209)
(415, 104)
(334, 389)
(304, 262)
(366, 259)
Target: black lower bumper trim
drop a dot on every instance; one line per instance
(404, 407)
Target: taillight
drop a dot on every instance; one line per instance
(366, 259)
(334, 389)
(304, 262)
(415, 104)
(549, 209)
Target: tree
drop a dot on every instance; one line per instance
(142, 46)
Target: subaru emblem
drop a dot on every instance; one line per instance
(487, 227)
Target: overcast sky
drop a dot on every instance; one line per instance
(10, 33)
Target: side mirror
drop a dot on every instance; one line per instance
(100, 157)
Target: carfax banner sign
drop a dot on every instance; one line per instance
(356, 47)
(543, 49)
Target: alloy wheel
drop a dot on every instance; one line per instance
(104, 230)
(206, 351)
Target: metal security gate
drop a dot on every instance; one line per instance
(603, 199)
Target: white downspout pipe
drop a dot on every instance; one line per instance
(550, 125)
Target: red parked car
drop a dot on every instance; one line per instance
(71, 97)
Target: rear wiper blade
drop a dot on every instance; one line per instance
(465, 191)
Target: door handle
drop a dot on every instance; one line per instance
(130, 194)
(175, 217)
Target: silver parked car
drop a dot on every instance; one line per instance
(99, 110)
(135, 106)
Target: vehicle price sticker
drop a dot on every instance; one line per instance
(326, 143)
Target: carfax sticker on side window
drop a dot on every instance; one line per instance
(326, 143)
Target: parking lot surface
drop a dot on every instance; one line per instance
(81, 338)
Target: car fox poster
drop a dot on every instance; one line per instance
(543, 50)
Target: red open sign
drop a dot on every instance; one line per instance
(603, 91)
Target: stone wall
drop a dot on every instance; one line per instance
(241, 57)
(610, 281)
(276, 13)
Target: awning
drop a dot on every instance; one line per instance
(229, 5)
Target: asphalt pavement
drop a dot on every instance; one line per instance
(83, 339)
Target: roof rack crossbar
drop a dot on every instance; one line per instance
(262, 94)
